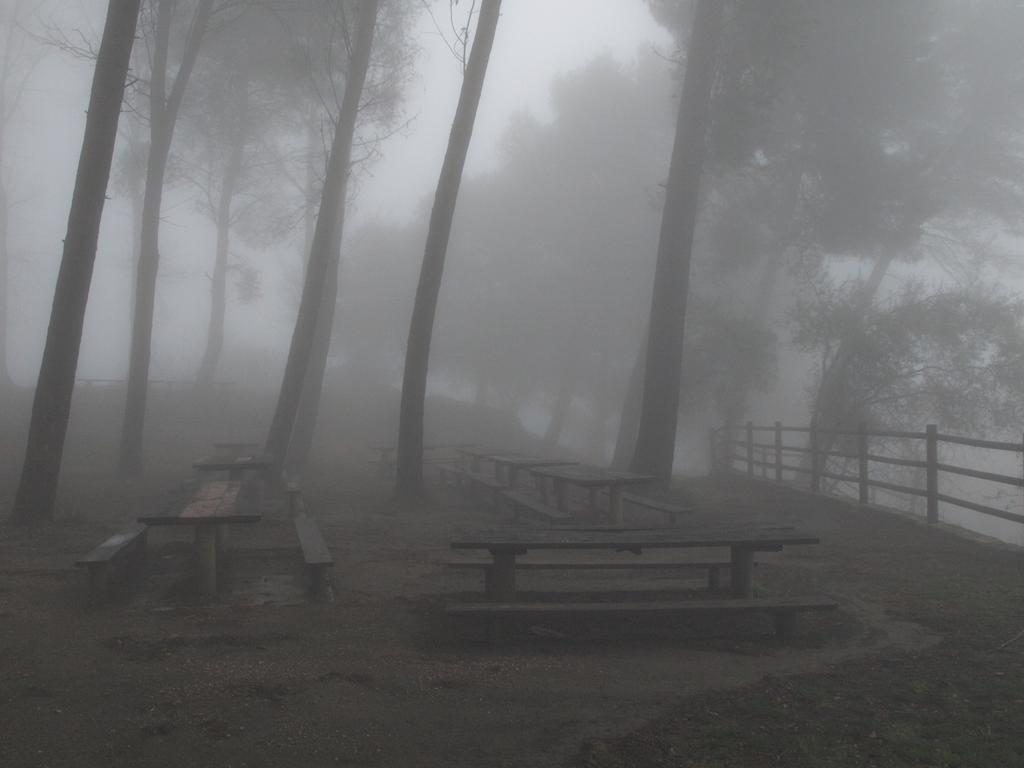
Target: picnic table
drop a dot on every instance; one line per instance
(478, 453)
(510, 464)
(235, 449)
(216, 503)
(505, 546)
(593, 479)
(386, 462)
(235, 466)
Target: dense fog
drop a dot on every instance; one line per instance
(855, 257)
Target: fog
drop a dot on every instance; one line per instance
(855, 258)
(465, 383)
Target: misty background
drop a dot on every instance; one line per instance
(879, 148)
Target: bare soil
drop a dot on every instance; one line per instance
(908, 673)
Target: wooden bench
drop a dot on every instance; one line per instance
(315, 554)
(532, 506)
(671, 511)
(784, 611)
(478, 480)
(713, 569)
(121, 553)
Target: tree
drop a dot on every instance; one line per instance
(655, 447)
(324, 251)
(51, 406)
(165, 99)
(389, 67)
(409, 481)
(16, 64)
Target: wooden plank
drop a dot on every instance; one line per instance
(314, 548)
(655, 504)
(534, 505)
(113, 546)
(983, 509)
(485, 480)
(729, 605)
(663, 538)
(992, 445)
(583, 475)
(596, 565)
(215, 501)
(992, 476)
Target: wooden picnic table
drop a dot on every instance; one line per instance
(235, 449)
(386, 462)
(505, 546)
(478, 453)
(511, 464)
(235, 466)
(593, 479)
(216, 503)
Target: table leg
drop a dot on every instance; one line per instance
(206, 559)
(503, 576)
(742, 572)
(615, 505)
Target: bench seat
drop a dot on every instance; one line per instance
(783, 610)
(315, 554)
(713, 569)
(123, 552)
(672, 511)
(480, 481)
(533, 506)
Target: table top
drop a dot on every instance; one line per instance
(215, 502)
(216, 463)
(485, 452)
(579, 474)
(389, 447)
(529, 461)
(652, 538)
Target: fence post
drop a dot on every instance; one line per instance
(712, 451)
(812, 445)
(778, 451)
(862, 459)
(750, 449)
(932, 458)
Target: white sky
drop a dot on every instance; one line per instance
(537, 40)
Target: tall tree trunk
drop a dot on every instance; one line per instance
(324, 253)
(656, 437)
(304, 430)
(5, 76)
(563, 401)
(409, 480)
(219, 280)
(5, 376)
(629, 420)
(136, 247)
(51, 406)
(312, 390)
(164, 109)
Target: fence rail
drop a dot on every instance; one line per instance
(768, 458)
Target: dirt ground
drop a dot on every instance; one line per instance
(909, 673)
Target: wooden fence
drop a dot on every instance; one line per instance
(770, 458)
